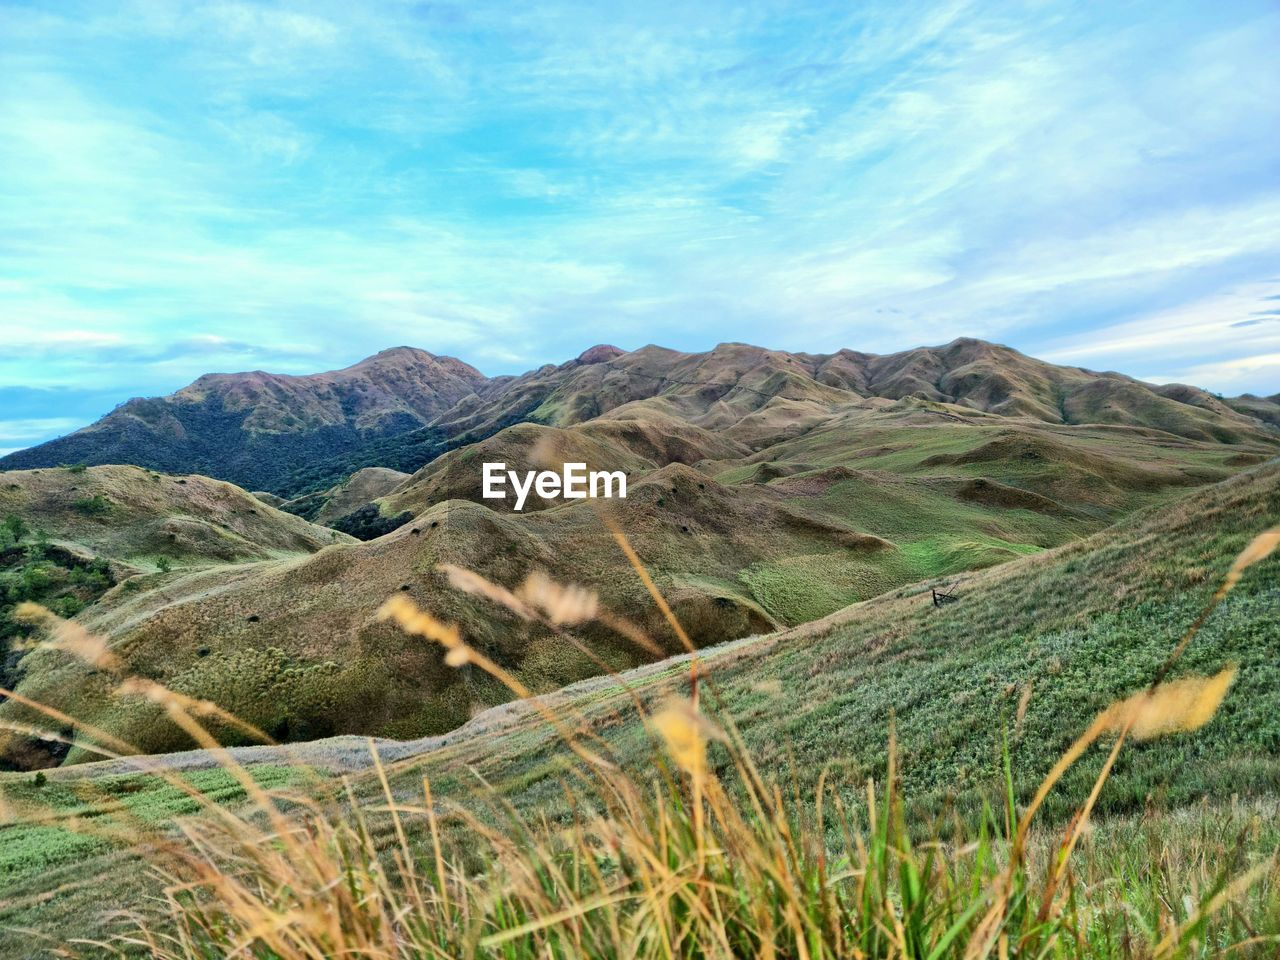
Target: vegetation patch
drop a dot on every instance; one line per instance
(34, 570)
(368, 523)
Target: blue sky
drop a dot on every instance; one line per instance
(191, 187)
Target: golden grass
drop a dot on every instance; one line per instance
(701, 856)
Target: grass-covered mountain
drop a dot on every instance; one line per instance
(256, 429)
(358, 490)
(1071, 630)
(404, 407)
(138, 516)
(69, 536)
(1266, 409)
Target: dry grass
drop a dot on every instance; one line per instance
(702, 856)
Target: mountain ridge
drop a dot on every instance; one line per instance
(403, 407)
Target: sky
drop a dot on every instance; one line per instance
(220, 186)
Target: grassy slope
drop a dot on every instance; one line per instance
(1083, 624)
(351, 494)
(90, 529)
(133, 515)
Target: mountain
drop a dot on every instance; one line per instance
(1266, 409)
(404, 407)
(716, 388)
(1070, 630)
(256, 429)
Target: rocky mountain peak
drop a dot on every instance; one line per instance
(600, 353)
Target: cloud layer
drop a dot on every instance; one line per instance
(227, 185)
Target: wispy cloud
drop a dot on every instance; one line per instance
(295, 185)
(17, 434)
(1204, 342)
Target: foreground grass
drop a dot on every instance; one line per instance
(1143, 874)
(680, 867)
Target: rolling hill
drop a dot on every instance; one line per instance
(361, 488)
(71, 536)
(129, 514)
(1070, 629)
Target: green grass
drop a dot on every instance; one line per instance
(137, 801)
(805, 587)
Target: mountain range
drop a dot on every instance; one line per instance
(295, 435)
(766, 489)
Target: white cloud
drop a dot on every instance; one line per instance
(33, 429)
(1258, 375)
(19, 340)
(1189, 331)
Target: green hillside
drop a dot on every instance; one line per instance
(134, 516)
(68, 535)
(1080, 626)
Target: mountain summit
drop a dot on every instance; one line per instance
(256, 428)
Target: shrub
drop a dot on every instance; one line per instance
(368, 523)
(66, 606)
(14, 528)
(95, 506)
